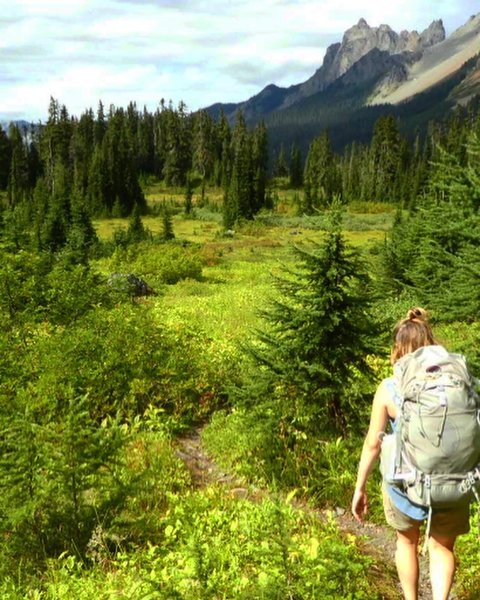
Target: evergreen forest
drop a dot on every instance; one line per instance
(193, 323)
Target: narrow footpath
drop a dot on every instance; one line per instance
(376, 540)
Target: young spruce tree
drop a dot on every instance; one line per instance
(318, 335)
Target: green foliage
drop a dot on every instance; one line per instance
(167, 225)
(136, 231)
(282, 553)
(5, 158)
(321, 175)
(120, 360)
(319, 333)
(81, 236)
(435, 252)
(385, 162)
(158, 263)
(82, 489)
(188, 197)
(94, 388)
(254, 445)
(35, 288)
(296, 167)
(245, 191)
(468, 549)
(57, 487)
(151, 473)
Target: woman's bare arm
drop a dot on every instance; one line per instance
(370, 451)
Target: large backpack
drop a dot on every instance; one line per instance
(434, 452)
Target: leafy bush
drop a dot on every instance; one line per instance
(255, 445)
(33, 288)
(80, 490)
(159, 264)
(120, 360)
(150, 473)
(217, 547)
(468, 553)
(57, 486)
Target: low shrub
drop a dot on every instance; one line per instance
(253, 445)
(215, 546)
(468, 555)
(158, 264)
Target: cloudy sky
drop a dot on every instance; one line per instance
(198, 51)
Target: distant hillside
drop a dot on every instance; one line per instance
(22, 124)
(373, 70)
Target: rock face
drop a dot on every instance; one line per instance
(377, 60)
(360, 40)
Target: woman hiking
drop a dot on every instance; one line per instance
(404, 516)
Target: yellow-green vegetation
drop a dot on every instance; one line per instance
(213, 545)
(116, 380)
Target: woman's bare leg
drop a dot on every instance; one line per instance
(406, 559)
(442, 565)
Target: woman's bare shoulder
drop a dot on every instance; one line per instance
(385, 395)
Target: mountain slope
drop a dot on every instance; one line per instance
(436, 64)
(368, 73)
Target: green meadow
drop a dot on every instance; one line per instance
(122, 512)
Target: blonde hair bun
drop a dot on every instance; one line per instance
(417, 314)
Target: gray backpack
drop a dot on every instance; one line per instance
(434, 452)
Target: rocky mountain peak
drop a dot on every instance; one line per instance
(357, 42)
(360, 39)
(434, 34)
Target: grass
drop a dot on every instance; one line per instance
(222, 308)
(237, 272)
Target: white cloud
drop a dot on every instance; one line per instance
(48, 8)
(81, 51)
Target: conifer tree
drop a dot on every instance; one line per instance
(18, 178)
(296, 168)
(239, 201)
(203, 145)
(428, 249)
(81, 236)
(385, 158)
(146, 143)
(259, 166)
(82, 148)
(100, 124)
(178, 146)
(136, 231)
(50, 515)
(321, 174)
(54, 229)
(319, 334)
(281, 165)
(188, 196)
(5, 158)
(167, 225)
(223, 158)
(230, 209)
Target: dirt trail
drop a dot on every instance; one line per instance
(376, 540)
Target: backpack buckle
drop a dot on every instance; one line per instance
(470, 481)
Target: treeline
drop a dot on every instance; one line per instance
(93, 164)
(390, 168)
(61, 174)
